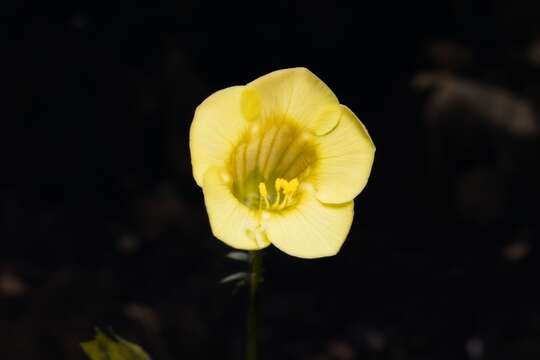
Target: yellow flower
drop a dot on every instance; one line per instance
(280, 162)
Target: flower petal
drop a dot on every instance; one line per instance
(296, 93)
(345, 158)
(216, 126)
(231, 222)
(310, 229)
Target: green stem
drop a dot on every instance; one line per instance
(255, 266)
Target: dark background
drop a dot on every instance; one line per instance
(102, 223)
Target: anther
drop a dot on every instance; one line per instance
(263, 195)
(292, 186)
(279, 184)
(289, 188)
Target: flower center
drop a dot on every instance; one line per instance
(281, 185)
(269, 163)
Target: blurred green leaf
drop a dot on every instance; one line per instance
(238, 255)
(239, 276)
(113, 347)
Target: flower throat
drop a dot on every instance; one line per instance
(269, 163)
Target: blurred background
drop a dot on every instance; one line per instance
(103, 225)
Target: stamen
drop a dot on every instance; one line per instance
(278, 185)
(263, 195)
(292, 186)
(281, 185)
(289, 189)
